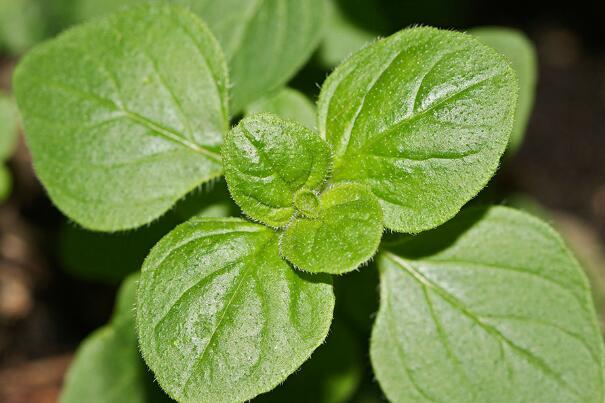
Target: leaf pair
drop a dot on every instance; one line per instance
(276, 170)
(122, 129)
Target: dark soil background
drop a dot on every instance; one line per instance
(45, 312)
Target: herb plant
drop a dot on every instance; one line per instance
(127, 114)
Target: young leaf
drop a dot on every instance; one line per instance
(519, 50)
(265, 42)
(492, 307)
(335, 234)
(124, 115)
(222, 317)
(107, 365)
(287, 104)
(421, 117)
(269, 162)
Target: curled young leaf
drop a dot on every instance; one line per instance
(519, 50)
(269, 161)
(492, 307)
(287, 104)
(222, 317)
(124, 115)
(422, 118)
(334, 233)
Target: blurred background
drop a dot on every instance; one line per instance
(58, 282)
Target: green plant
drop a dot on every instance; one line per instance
(126, 114)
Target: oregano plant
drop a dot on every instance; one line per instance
(128, 113)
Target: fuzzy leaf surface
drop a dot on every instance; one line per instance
(520, 51)
(492, 307)
(268, 161)
(222, 317)
(345, 232)
(422, 118)
(289, 104)
(125, 115)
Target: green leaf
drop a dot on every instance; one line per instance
(338, 235)
(9, 126)
(125, 115)
(84, 10)
(492, 307)
(519, 50)
(266, 41)
(332, 374)
(269, 162)
(287, 104)
(107, 366)
(421, 117)
(222, 317)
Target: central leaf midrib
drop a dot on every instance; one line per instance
(344, 159)
(153, 126)
(247, 270)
